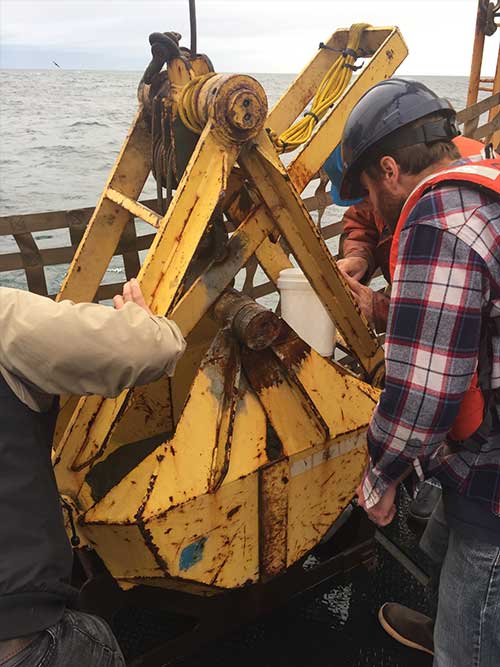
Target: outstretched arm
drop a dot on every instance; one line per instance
(85, 348)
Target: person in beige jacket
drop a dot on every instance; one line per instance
(47, 349)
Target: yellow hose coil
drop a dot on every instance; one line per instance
(331, 88)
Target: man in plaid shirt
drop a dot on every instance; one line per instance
(445, 297)
(446, 275)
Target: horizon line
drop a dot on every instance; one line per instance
(98, 69)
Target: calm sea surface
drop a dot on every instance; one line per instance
(60, 132)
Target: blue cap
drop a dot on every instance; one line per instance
(333, 167)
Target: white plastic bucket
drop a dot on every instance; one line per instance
(304, 312)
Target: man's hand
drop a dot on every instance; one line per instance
(355, 267)
(362, 295)
(131, 292)
(384, 511)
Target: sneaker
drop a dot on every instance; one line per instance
(407, 626)
(425, 501)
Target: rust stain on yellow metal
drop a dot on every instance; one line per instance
(249, 439)
(148, 412)
(198, 341)
(273, 497)
(203, 431)
(194, 202)
(232, 470)
(134, 207)
(320, 380)
(208, 287)
(167, 504)
(291, 413)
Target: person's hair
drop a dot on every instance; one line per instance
(413, 159)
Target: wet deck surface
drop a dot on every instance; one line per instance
(336, 624)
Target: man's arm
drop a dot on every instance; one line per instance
(361, 237)
(84, 348)
(431, 353)
(373, 305)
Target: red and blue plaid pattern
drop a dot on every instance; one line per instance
(448, 273)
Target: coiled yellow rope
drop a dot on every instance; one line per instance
(331, 88)
(187, 107)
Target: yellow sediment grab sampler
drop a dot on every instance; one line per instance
(231, 471)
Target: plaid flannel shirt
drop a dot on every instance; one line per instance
(448, 272)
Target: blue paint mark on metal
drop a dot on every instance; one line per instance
(192, 554)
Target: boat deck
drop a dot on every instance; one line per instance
(336, 624)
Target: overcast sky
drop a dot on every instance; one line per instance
(238, 35)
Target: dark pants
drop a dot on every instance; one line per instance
(467, 628)
(78, 640)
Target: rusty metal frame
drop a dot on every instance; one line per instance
(264, 202)
(286, 208)
(174, 245)
(389, 50)
(93, 420)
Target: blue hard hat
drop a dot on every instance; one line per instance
(381, 121)
(333, 167)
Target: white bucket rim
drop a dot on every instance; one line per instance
(292, 277)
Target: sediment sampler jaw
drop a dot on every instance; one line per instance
(262, 462)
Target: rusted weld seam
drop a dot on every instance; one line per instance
(145, 532)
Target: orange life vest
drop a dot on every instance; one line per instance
(485, 174)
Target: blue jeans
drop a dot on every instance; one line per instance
(78, 640)
(467, 628)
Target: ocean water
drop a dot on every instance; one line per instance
(61, 130)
